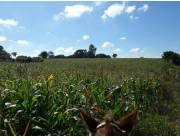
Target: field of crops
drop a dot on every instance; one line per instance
(44, 98)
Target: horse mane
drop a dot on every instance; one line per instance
(109, 117)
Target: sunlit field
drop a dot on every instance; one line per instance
(79, 68)
(44, 98)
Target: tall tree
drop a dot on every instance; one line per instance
(168, 55)
(81, 53)
(4, 56)
(14, 54)
(114, 55)
(92, 51)
(50, 54)
(1, 48)
(43, 54)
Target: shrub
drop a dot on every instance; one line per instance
(168, 55)
(43, 54)
(176, 59)
(24, 59)
(4, 56)
(102, 56)
(59, 56)
(171, 56)
(37, 59)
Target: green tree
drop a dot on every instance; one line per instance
(168, 55)
(81, 53)
(51, 54)
(172, 57)
(24, 59)
(92, 51)
(101, 55)
(14, 54)
(114, 55)
(1, 48)
(43, 54)
(4, 56)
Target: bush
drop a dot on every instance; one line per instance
(59, 56)
(171, 56)
(4, 56)
(24, 59)
(102, 56)
(168, 55)
(176, 59)
(37, 59)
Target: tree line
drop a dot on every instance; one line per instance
(168, 56)
(80, 53)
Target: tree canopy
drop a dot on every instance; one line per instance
(171, 56)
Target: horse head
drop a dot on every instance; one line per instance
(108, 126)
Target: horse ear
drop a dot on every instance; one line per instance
(127, 122)
(90, 121)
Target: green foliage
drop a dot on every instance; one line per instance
(37, 59)
(44, 98)
(172, 56)
(59, 56)
(4, 56)
(114, 55)
(43, 54)
(52, 107)
(92, 51)
(25, 59)
(102, 56)
(14, 54)
(50, 54)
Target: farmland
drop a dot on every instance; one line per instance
(44, 98)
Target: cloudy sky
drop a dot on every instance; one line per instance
(130, 29)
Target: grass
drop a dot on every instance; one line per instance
(44, 98)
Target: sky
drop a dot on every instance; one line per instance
(129, 29)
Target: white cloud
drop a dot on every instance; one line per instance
(74, 11)
(123, 38)
(10, 40)
(98, 3)
(117, 50)
(86, 37)
(135, 50)
(113, 11)
(64, 51)
(144, 8)
(8, 22)
(107, 44)
(34, 53)
(133, 17)
(130, 9)
(3, 38)
(23, 42)
(58, 16)
(119, 9)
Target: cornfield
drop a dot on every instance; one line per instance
(39, 99)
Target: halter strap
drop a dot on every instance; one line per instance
(113, 124)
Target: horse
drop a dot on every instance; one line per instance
(108, 126)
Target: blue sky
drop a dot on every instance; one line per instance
(130, 29)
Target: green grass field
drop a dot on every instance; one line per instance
(44, 98)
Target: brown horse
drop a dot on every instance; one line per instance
(110, 127)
